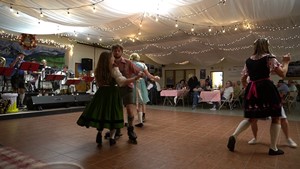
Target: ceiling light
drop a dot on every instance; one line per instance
(94, 8)
(11, 8)
(41, 13)
(182, 63)
(193, 28)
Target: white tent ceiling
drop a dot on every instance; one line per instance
(120, 21)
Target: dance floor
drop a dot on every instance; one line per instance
(172, 138)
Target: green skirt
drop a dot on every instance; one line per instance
(104, 110)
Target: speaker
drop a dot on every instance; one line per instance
(40, 102)
(87, 64)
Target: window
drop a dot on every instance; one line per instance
(174, 76)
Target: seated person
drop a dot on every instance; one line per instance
(292, 86)
(196, 96)
(181, 85)
(226, 93)
(282, 88)
(207, 86)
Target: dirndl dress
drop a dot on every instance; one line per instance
(261, 97)
(104, 110)
(140, 90)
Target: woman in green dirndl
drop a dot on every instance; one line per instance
(105, 109)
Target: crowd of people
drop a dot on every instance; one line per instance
(123, 82)
(261, 98)
(33, 80)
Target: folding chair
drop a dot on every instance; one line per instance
(182, 97)
(291, 100)
(236, 98)
(227, 101)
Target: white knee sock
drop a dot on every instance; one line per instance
(140, 117)
(241, 127)
(22, 96)
(112, 133)
(125, 117)
(274, 133)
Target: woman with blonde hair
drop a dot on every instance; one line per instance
(140, 89)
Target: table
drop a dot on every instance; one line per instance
(170, 94)
(210, 96)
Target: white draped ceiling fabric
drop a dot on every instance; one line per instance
(201, 32)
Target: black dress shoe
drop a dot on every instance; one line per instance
(231, 143)
(274, 153)
(99, 138)
(139, 125)
(112, 142)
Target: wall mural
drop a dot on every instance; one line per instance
(54, 56)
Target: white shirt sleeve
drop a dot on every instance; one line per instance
(149, 86)
(117, 75)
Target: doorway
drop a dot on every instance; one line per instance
(217, 80)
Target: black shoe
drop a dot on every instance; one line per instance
(112, 142)
(139, 125)
(231, 143)
(99, 138)
(107, 135)
(274, 153)
(144, 117)
(132, 141)
(131, 134)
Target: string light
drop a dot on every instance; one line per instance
(11, 8)
(193, 28)
(223, 29)
(209, 29)
(235, 28)
(223, 2)
(176, 24)
(94, 8)
(50, 42)
(41, 13)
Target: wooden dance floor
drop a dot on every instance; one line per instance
(172, 138)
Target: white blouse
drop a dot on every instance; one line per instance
(117, 75)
